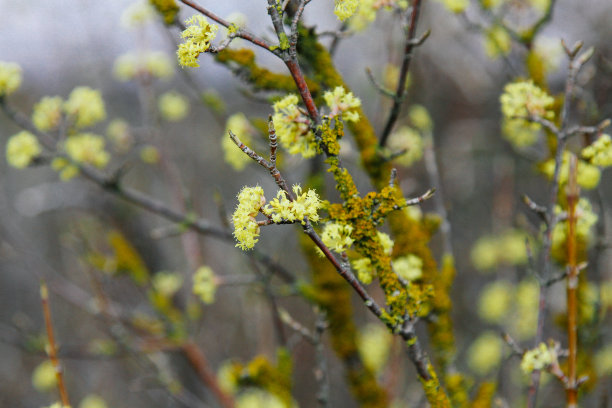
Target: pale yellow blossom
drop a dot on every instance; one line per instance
(10, 78)
(21, 149)
(85, 107)
(47, 113)
(198, 36)
(205, 284)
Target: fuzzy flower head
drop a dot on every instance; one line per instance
(364, 270)
(497, 42)
(151, 65)
(87, 148)
(167, 283)
(337, 236)
(246, 230)
(408, 140)
(198, 35)
(173, 106)
(93, 401)
(409, 267)
(305, 205)
(420, 118)
(374, 344)
(85, 107)
(587, 218)
(241, 127)
(43, 377)
(455, 6)
(342, 103)
(520, 133)
(344, 9)
(21, 149)
(386, 242)
(538, 358)
(587, 175)
(137, 14)
(526, 310)
(485, 353)
(205, 284)
(523, 98)
(293, 127)
(10, 78)
(47, 113)
(599, 153)
(495, 301)
(118, 132)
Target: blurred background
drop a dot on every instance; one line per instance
(51, 228)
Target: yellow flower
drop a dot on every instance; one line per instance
(586, 220)
(205, 284)
(43, 377)
(87, 148)
(420, 119)
(21, 149)
(455, 6)
(538, 358)
(386, 242)
(305, 205)
(10, 78)
(167, 283)
(344, 9)
(47, 113)
(497, 42)
(408, 139)
(118, 131)
(365, 272)
(255, 398)
(151, 64)
(149, 154)
(374, 344)
(523, 98)
(485, 353)
(337, 236)
(507, 248)
(293, 127)
(66, 170)
(342, 103)
(241, 127)
(526, 306)
(137, 14)
(167, 8)
(409, 267)
(246, 230)
(599, 153)
(540, 5)
(603, 361)
(198, 36)
(93, 401)
(173, 106)
(85, 106)
(495, 301)
(587, 176)
(520, 133)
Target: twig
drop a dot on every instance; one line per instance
(52, 348)
(400, 91)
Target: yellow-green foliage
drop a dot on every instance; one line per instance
(167, 8)
(242, 62)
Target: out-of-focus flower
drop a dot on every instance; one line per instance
(455, 6)
(87, 148)
(10, 78)
(485, 353)
(137, 14)
(506, 248)
(85, 106)
(151, 64)
(407, 139)
(525, 320)
(419, 117)
(47, 113)
(93, 401)
(205, 284)
(497, 42)
(409, 267)
(374, 344)
(43, 377)
(173, 106)
(258, 399)
(21, 149)
(365, 271)
(587, 175)
(167, 283)
(241, 127)
(149, 154)
(599, 153)
(118, 131)
(495, 301)
(344, 9)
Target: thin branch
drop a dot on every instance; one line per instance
(400, 92)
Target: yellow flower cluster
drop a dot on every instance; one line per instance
(520, 133)
(342, 103)
(167, 283)
(305, 205)
(599, 153)
(538, 358)
(256, 398)
(337, 236)
(47, 113)
(495, 301)
(344, 9)
(587, 175)
(507, 248)
(419, 117)
(374, 345)
(293, 127)
(455, 6)
(251, 201)
(523, 98)
(118, 131)
(246, 230)
(485, 353)
(85, 148)
(407, 139)
(21, 149)
(10, 78)
(497, 42)
(154, 64)
(241, 127)
(363, 266)
(173, 106)
(205, 284)
(43, 377)
(198, 36)
(85, 106)
(586, 220)
(137, 14)
(409, 267)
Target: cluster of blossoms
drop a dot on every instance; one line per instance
(342, 103)
(251, 201)
(241, 127)
(455, 6)
(167, 283)
(519, 101)
(118, 132)
(173, 106)
(343, 9)
(21, 149)
(515, 307)
(205, 284)
(599, 153)
(198, 36)
(506, 248)
(374, 344)
(587, 175)
(538, 358)
(497, 42)
(408, 140)
(293, 127)
(485, 353)
(586, 220)
(85, 107)
(10, 78)
(47, 113)
(337, 236)
(154, 64)
(409, 267)
(363, 266)
(137, 14)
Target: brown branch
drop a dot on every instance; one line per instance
(52, 348)
(400, 91)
